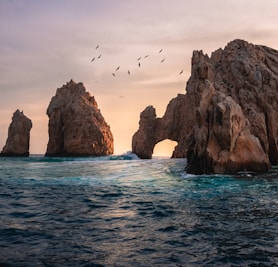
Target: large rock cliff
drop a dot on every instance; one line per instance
(18, 140)
(76, 126)
(227, 120)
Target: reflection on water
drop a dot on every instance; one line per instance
(98, 212)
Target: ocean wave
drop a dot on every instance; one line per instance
(102, 212)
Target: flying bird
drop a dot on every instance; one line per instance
(160, 50)
(146, 56)
(138, 58)
(181, 72)
(139, 64)
(97, 46)
(128, 72)
(114, 74)
(99, 56)
(93, 59)
(117, 68)
(162, 60)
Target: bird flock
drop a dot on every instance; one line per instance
(139, 60)
(98, 57)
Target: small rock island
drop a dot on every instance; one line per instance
(17, 144)
(76, 126)
(226, 121)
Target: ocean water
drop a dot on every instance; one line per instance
(117, 211)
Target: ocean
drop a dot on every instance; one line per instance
(122, 211)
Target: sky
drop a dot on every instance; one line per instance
(44, 44)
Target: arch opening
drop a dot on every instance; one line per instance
(164, 148)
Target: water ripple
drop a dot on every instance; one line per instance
(133, 213)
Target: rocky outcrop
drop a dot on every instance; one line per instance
(152, 130)
(76, 126)
(18, 140)
(227, 120)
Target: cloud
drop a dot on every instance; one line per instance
(46, 43)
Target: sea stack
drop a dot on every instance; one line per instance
(17, 144)
(76, 126)
(227, 120)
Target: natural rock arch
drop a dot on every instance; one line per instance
(227, 120)
(153, 130)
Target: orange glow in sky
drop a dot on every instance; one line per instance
(44, 44)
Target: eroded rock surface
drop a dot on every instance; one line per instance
(227, 120)
(18, 140)
(76, 126)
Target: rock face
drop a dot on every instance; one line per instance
(76, 126)
(227, 120)
(18, 140)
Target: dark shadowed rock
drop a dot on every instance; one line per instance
(18, 140)
(76, 126)
(227, 120)
(144, 140)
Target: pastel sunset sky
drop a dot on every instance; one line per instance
(44, 44)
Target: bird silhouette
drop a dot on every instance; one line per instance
(160, 50)
(97, 46)
(99, 56)
(139, 64)
(146, 56)
(93, 59)
(181, 72)
(128, 72)
(117, 68)
(114, 74)
(162, 60)
(138, 58)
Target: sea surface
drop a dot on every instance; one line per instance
(121, 211)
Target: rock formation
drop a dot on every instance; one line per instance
(227, 120)
(18, 140)
(76, 126)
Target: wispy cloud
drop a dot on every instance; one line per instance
(43, 44)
